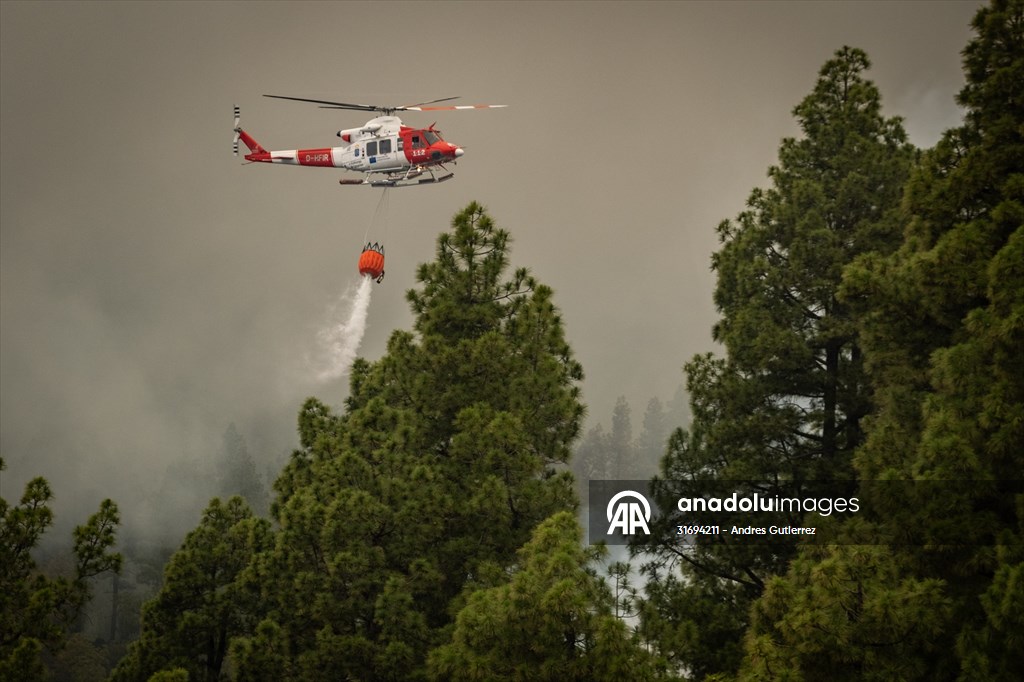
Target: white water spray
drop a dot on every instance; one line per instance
(339, 341)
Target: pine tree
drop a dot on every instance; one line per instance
(788, 400)
(621, 441)
(236, 472)
(849, 612)
(592, 458)
(37, 611)
(450, 451)
(653, 440)
(942, 331)
(205, 600)
(552, 621)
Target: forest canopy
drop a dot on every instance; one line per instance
(871, 321)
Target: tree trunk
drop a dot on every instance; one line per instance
(828, 427)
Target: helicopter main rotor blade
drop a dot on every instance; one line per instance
(334, 105)
(328, 104)
(461, 106)
(433, 101)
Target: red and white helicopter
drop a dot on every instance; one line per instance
(389, 153)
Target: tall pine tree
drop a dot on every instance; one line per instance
(943, 328)
(787, 401)
(204, 601)
(37, 611)
(448, 454)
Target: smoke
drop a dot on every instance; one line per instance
(339, 341)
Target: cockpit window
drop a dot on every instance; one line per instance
(431, 137)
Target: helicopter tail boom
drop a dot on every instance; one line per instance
(254, 146)
(256, 150)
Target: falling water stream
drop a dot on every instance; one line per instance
(338, 341)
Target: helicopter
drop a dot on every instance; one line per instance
(387, 152)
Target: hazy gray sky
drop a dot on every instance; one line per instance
(154, 290)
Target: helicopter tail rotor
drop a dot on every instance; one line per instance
(238, 130)
(258, 153)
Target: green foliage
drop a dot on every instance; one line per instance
(695, 620)
(80, 661)
(552, 621)
(872, 315)
(793, 365)
(450, 451)
(941, 325)
(847, 612)
(176, 675)
(205, 600)
(787, 402)
(37, 611)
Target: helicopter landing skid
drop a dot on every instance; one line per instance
(399, 181)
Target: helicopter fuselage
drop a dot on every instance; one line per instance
(381, 145)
